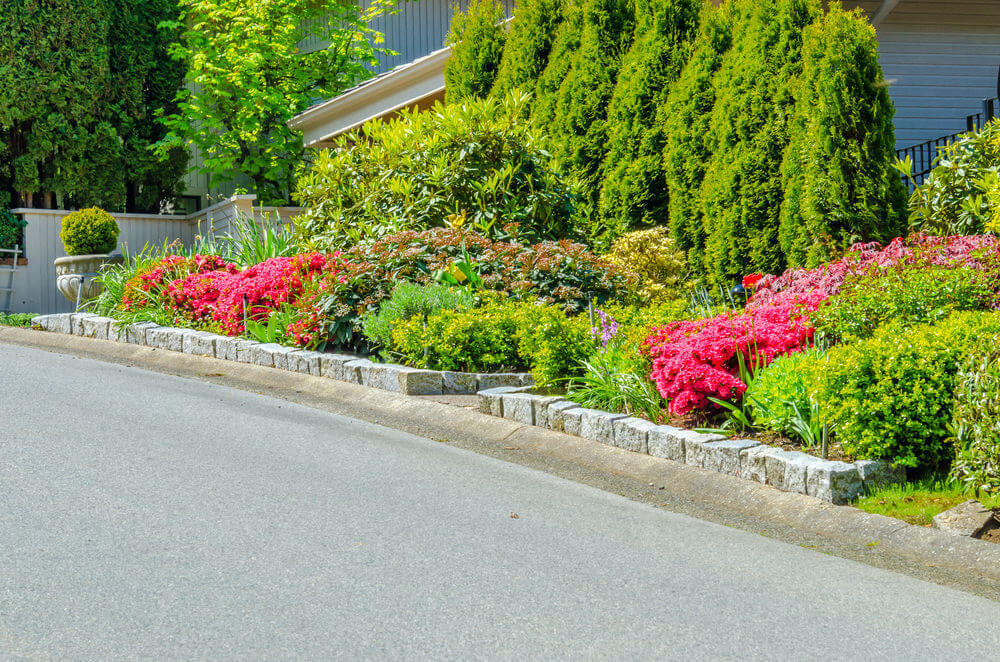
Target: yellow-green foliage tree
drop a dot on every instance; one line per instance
(476, 38)
(687, 116)
(529, 42)
(633, 189)
(840, 186)
(743, 187)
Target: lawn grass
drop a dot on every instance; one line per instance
(918, 502)
(16, 319)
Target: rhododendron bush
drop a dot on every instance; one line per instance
(208, 291)
(695, 360)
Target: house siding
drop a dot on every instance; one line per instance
(940, 60)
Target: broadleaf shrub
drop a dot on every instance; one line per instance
(890, 396)
(89, 231)
(11, 229)
(790, 382)
(976, 422)
(654, 257)
(476, 164)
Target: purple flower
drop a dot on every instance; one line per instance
(607, 331)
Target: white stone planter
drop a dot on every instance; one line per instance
(70, 273)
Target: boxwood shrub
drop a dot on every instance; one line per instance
(890, 396)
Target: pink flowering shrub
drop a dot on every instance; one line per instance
(148, 286)
(975, 251)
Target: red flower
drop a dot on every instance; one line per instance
(750, 282)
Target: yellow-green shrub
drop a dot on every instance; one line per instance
(656, 258)
(89, 231)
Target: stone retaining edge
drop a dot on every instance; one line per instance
(836, 482)
(343, 367)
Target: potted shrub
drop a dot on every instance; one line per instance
(89, 236)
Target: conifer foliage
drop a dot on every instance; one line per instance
(476, 37)
(528, 45)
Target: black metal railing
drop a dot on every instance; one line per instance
(924, 155)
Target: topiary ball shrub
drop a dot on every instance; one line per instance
(89, 231)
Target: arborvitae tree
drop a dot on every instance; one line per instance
(633, 187)
(564, 47)
(476, 38)
(687, 116)
(529, 42)
(840, 187)
(749, 134)
(578, 130)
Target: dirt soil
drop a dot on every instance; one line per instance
(991, 532)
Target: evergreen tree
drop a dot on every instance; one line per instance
(529, 42)
(742, 191)
(578, 129)
(687, 116)
(634, 188)
(476, 38)
(840, 187)
(564, 47)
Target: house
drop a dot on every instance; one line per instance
(940, 59)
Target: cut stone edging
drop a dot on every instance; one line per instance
(342, 367)
(790, 471)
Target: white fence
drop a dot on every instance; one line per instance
(35, 283)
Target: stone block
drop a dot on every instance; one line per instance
(694, 446)
(199, 343)
(724, 456)
(879, 473)
(491, 400)
(76, 322)
(753, 462)
(165, 337)
(459, 383)
(116, 331)
(496, 380)
(304, 361)
(373, 375)
(667, 442)
(332, 365)
(836, 482)
(519, 407)
(414, 381)
(354, 371)
(554, 419)
(527, 379)
(597, 425)
(135, 334)
(789, 470)
(632, 434)
(542, 404)
(95, 327)
(263, 354)
(59, 323)
(234, 349)
(966, 519)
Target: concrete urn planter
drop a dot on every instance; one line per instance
(70, 272)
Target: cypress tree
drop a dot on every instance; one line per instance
(687, 115)
(578, 129)
(529, 42)
(840, 186)
(743, 188)
(476, 38)
(634, 188)
(564, 47)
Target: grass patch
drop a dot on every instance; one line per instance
(16, 319)
(918, 502)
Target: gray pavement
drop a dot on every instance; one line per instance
(147, 516)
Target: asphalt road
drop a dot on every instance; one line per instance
(148, 516)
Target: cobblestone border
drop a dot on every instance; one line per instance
(791, 471)
(343, 367)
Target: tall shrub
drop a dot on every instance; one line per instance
(578, 130)
(529, 42)
(634, 189)
(476, 39)
(687, 116)
(840, 186)
(748, 136)
(564, 48)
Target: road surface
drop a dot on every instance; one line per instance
(149, 516)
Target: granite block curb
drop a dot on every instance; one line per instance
(790, 471)
(342, 367)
